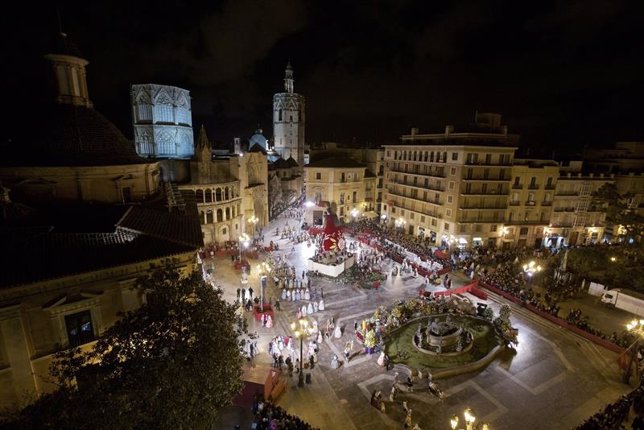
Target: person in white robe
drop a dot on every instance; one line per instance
(337, 333)
(321, 305)
(309, 309)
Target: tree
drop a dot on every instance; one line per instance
(618, 210)
(171, 364)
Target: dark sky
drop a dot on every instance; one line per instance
(563, 73)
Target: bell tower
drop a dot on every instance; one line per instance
(289, 120)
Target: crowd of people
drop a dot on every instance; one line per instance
(272, 417)
(614, 415)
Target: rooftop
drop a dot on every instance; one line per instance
(68, 240)
(335, 162)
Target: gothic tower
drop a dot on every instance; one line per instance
(288, 121)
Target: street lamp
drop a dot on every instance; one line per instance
(400, 222)
(300, 330)
(254, 220)
(470, 419)
(354, 213)
(244, 242)
(531, 268)
(637, 328)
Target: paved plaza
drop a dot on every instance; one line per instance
(554, 379)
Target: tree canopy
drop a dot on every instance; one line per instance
(618, 210)
(171, 364)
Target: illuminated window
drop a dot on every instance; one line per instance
(79, 328)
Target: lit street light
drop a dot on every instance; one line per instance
(244, 242)
(531, 268)
(469, 419)
(254, 220)
(637, 328)
(300, 330)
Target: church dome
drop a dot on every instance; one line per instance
(259, 139)
(70, 135)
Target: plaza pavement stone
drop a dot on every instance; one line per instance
(554, 379)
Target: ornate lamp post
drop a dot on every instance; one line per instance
(400, 222)
(637, 328)
(244, 242)
(300, 330)
(531, 268)
(469, 419)
(254, 220)
(354, 213)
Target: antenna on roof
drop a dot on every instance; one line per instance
(60, 21)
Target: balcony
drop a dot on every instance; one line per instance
(490, 164)
(549, 187)
(517, 186)
(481, 206)
(533, 186)
(482, 220)
(431, 202)
(514, 203)
(565, 209)
(546, 203)
(566, 193)
(421, 186)
(530, 203)
(481, 193)
(483, 179)
(433, 174)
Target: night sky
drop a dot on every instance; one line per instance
(564, 73)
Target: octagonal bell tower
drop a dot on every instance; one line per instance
(288, 121)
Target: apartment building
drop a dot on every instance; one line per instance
(530, 204)
(451, 187)
(339, 184)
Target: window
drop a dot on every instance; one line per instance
(355, 196)
(446, 226)
(493, 228)
(478, 228)
(462, 228)
(393, 210)
(523, 231)
(318, 176)
(451, 185)
(454, 156)
(434, 222)
(79, 328)
(448, 212)
(341, 198)
(127, 194)
(422, 218)
(450, 199)
(488, 158)
(452, 171)
(411, 215)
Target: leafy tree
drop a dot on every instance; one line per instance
(171, 364)
(618, 211)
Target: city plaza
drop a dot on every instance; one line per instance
(554, 379)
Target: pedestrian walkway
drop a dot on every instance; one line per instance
(560, 376)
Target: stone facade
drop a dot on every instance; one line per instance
(288, 121)
(230, 190)
(162, 120)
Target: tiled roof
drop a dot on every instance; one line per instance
(84, 243)
(48, 256)
(69, 135)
